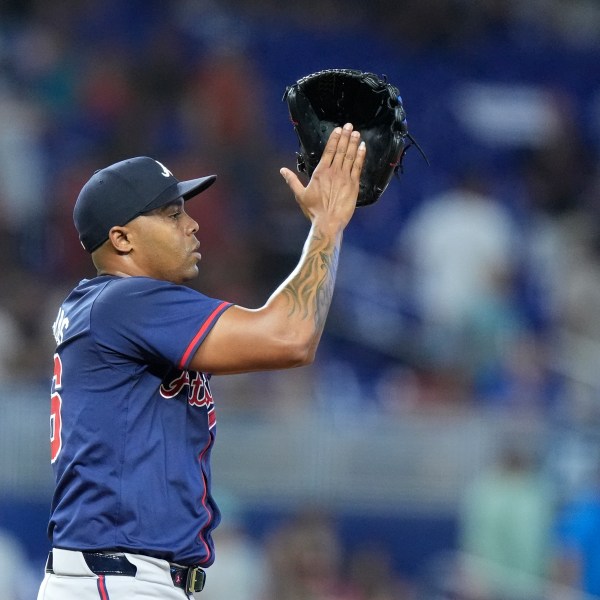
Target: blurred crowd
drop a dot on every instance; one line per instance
(517, 538)
(474, 280)
(473, 284)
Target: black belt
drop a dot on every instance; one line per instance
(190, 579)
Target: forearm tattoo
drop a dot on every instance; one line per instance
(310, 290)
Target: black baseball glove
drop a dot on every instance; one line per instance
(324, 100)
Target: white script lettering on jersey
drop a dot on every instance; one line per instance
(60, 325)
(165, 172)
(198, 392)
(197, 383)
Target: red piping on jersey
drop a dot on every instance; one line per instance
(102, 588)
(201, 332)
(204, 504)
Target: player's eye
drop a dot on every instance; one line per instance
(175, 215)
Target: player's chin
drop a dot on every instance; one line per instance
(191, 272)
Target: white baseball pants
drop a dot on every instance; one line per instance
(73, 580)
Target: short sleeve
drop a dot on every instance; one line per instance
(146, 320)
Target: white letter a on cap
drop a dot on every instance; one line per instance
(165, 172)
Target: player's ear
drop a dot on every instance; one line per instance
(119, 238)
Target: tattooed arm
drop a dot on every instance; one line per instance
(286, 331)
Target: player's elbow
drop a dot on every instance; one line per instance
(298, 353)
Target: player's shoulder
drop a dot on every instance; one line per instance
(121, 297)
(124, 286)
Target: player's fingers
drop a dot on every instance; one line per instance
(351, 150)
(296, 186)
(342, 145)
(357, 165)
(331, 146)
(292, 180)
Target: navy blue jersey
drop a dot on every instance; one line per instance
(131, 427)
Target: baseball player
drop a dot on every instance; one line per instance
(132, 414)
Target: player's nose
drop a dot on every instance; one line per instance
(193, 225)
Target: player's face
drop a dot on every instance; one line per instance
(165, 244)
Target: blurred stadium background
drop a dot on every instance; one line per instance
(445, 443)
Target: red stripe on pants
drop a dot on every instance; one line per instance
(102, 588)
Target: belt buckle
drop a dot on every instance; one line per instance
(195, 580)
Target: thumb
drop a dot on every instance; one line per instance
(292, 180)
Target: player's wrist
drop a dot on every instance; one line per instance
(329, 226)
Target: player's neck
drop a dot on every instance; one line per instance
(103, 272)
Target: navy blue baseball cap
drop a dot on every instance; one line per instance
(121, 192)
